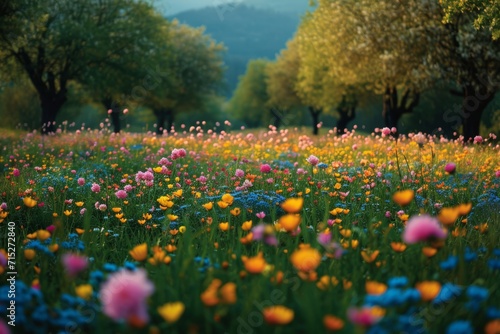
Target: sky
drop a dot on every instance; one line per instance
(172, 7)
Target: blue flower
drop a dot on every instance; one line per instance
(450, 263)
(447, 293)
(110, 267)
(477, 293)
(469, 255)
(494, 264)
(397, 282)
(493, 312)
(460, 327)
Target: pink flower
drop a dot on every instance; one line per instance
(4, 329)
(3, 261)
(324, 238)
(422, 228)
(239, 173)
(261, 215)
(51, 228)
(121, 194)
(81, 181)
(74, 264)
(497, 173)
(95, 188)
(123, 295)
(16, 172)
(265, 168)
(386, 131)
(362, 316)
(478, 139)
(450, 168)
(103, 207)
(313, 160)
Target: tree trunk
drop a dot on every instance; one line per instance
(277, 117)
(315, 112)
(109, 104)
(474, 103)
(164, 115)
(347, 112)
(393, 109)
(50, 106)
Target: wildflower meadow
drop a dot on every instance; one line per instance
(226, 231)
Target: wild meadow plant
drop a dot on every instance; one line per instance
(207, 231)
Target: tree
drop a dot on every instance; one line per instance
(375, 45)
(469, 57)
(250, 99)
(486, 13)
(57, 41)
(192, 70)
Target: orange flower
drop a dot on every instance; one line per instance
(228, 293)
(398, 247)
(346, 233)
(254, 265)
(224, 226)
(222, 204)
(289, 222)
(210, 296)
(246, 226)
(278, 315)
(375, 288)
(293, 205)
(29, 254)
(369, 256)
(492, 327)
(306, 258)
(139, 252)
(429, 251)
(464, 209)
(403, 197)
(332, 323)
(42, 235)
(29, 202)
(428, 289)
(448, 216)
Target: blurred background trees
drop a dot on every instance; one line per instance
(417, 65)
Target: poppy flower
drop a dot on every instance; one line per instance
(306, 258)
(254, 265)
(428, 289)
(333, 323)
(278, 315)
(403, 197)
(139, 252)
(29, 202)
(289, 222)
(293, 205)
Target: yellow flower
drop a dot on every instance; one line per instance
(332, 323)
(278, 315)
(165, 201)
(42, 235)
(448, 216)
(293, 205)
(306, 258)
(254, 265)
(178, 193)
(147, 216)
(228, 199)
(116, 209)
(403, 197)
(375, 288)
(182, 229)
(208, 206)
(235, 212)
(289, 222)
(29, 202)
(68, 212)
(172, 217)
(224, 226)
(139, 252)
(84, 291)
(222, 204)
(346, 233)
(246, 226)
(171, 312)
(79, 204)
(428, 289)
(79, 231)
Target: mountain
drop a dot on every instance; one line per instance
(172, 7)
(247, 33)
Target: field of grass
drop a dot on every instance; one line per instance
(232, 232)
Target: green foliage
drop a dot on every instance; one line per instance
(486, 13)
